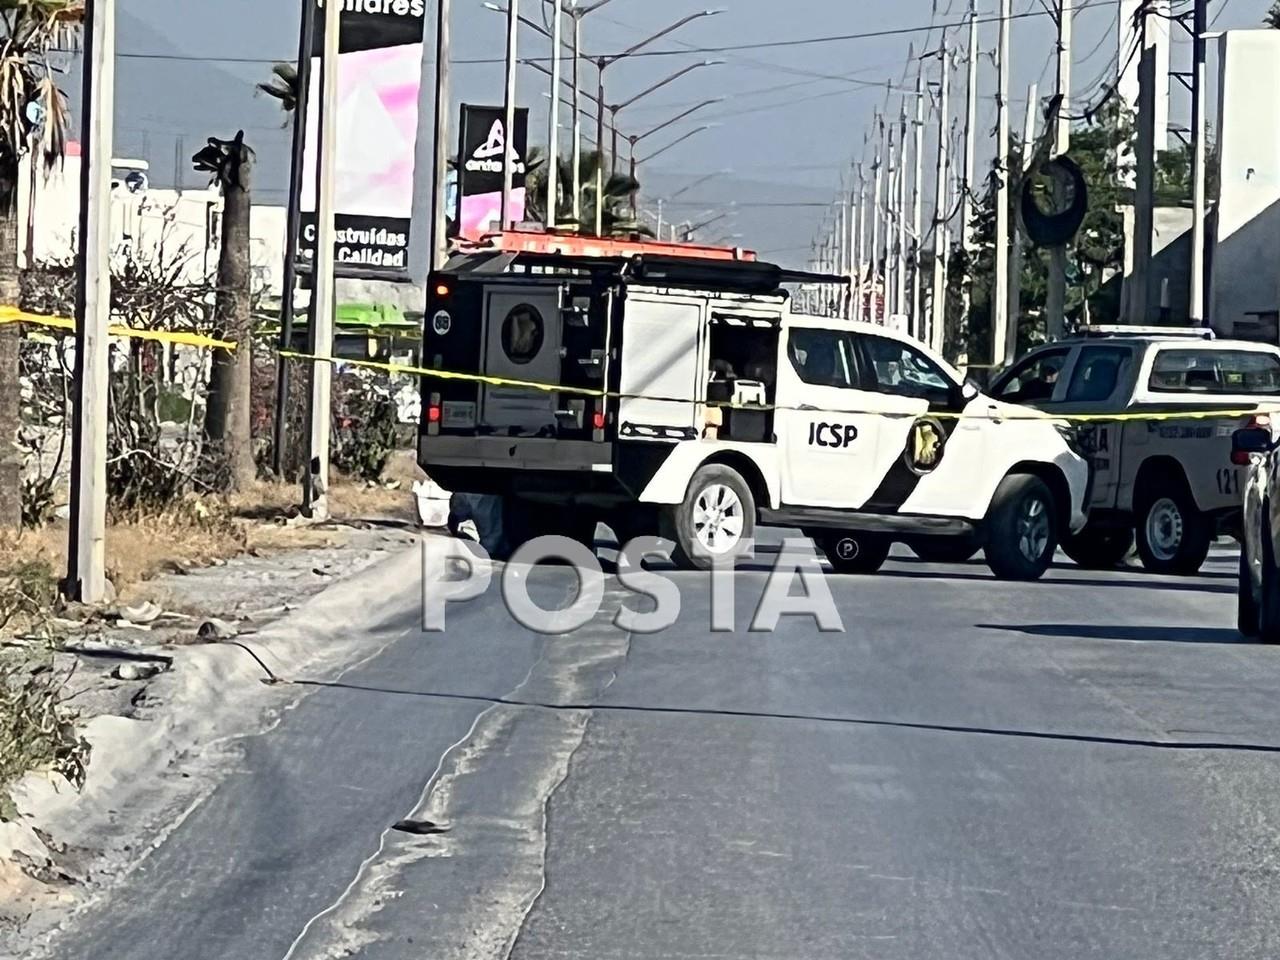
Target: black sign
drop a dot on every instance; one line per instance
(363, 243)
(481, 155)
(374, 24)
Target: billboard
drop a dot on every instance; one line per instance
(380, 83)
(482, 152)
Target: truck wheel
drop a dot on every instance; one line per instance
(717, 516)
(855, 552)
(1097, 547)
(1173, 535)
(1021, 528)
(1246, 604)
(944, 549)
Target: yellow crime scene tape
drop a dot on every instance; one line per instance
(1025, 414)
(15, 315)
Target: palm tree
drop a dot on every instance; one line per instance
(33, 117)
(618, 189)
(283, 86)
(228, 422)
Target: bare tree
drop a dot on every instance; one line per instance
(33, 118)
(228, 422)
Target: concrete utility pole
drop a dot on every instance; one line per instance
(1056, 290)
(553, 134)
(320, 315)
(1138, 283)
(970, 149)
(917, 196)
(1199, 151)
(859, 230)
(509, 111)
(1015, 254)
(1000, 287)
(904, 253)
(941, 203)
(440, 152)
(86, 548)
(891, 223)
(293, 222)
(577, 120)
(874, 311)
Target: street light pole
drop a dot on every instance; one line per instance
(1000, 287)
(938, 307)
(577, 116)
(553, 135)
(509, 113)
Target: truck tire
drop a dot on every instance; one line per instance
(855, 551)
(1173, 535)
(937, 549)
(1246, 604)
(1021, 528)
(716, 517)
(1098, 547)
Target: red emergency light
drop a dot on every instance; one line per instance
(575, 245)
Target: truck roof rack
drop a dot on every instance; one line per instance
(1130, 330)
(643, 261)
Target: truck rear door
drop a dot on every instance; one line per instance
(521, 341)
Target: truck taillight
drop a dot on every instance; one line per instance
(597, 426)
(433, 415)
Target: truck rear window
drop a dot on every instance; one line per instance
(1215, 371)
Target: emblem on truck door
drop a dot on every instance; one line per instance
(926, 442)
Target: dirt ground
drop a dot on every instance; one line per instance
(205, 573)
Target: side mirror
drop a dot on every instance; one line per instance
(969, 390)
(1246, 442)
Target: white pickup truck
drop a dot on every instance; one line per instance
(1159, 476)
(665, 393)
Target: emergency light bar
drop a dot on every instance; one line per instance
(1127, 330)
(575, 245)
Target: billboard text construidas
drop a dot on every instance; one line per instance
(379, 91)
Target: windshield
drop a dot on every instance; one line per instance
(1216, 371)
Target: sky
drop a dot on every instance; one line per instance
(793, 118)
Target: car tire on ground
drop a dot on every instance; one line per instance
(1173, 535)
(1098, 547)
(1246, 603)
(716, 517)
(1021, 528)
(855, 551)
(939, 549)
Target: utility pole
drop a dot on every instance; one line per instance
(1015, 254)
(877, 215)
(1199, 151)
(553, 134)
(320, 315)
(970, 149)
(86, 548)
(577, 120)
(904, 253)
(293, 223)
(941, 202)
(1056, 291)
(1138, 283)
(440, 153)
(917, 197)
(1000, 288)
(891, 223)
(509, 111)
(859, 229)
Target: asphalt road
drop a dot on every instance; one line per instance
(1088, 766)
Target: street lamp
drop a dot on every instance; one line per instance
(699, 182)
(677, 140)
(662, 126)
(614, 108)
(691, 229)
(602, 63)
(577, 13)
